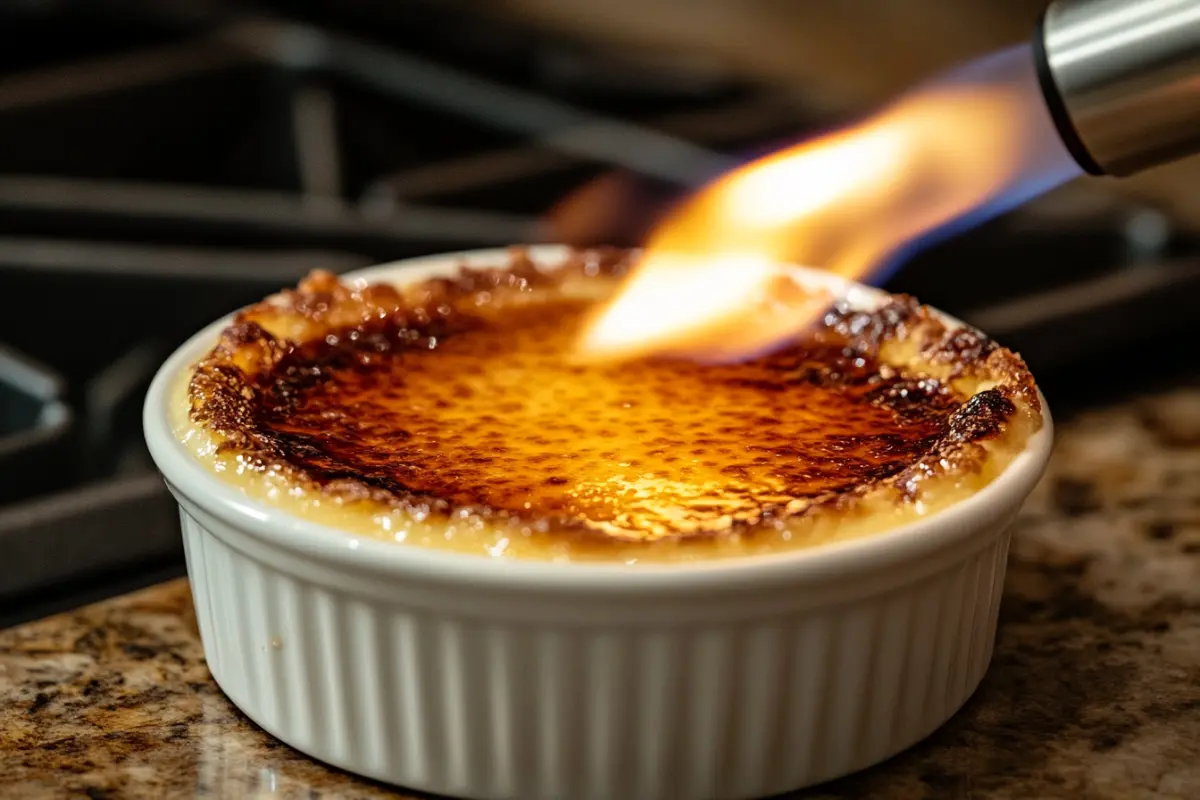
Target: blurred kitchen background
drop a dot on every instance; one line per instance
(162, 163)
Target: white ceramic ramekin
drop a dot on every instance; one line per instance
(485, 678)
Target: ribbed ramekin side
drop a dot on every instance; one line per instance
(487, 707)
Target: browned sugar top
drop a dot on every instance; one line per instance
(491, 414)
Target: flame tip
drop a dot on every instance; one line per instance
(976, 141)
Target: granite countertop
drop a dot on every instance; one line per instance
(1094, 691)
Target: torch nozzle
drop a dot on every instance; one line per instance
(1121, 79)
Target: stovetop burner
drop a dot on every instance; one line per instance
(153, 179)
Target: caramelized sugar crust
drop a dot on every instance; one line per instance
(458, 397)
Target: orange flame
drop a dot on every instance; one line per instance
(712, 282)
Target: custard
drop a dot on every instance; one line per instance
(451, 414)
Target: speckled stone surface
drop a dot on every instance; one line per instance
(1094, 691)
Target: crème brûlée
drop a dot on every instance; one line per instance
(451, 413)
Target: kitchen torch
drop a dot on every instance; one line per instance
(1121, 79)
(1107, 87)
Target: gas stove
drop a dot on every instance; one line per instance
(167, 169)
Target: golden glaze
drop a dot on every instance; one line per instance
(454, 405)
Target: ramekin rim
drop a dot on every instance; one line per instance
(942, 529)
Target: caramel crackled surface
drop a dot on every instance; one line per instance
(494, 417)
(459, 399)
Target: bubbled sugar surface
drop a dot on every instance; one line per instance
(491, 413)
